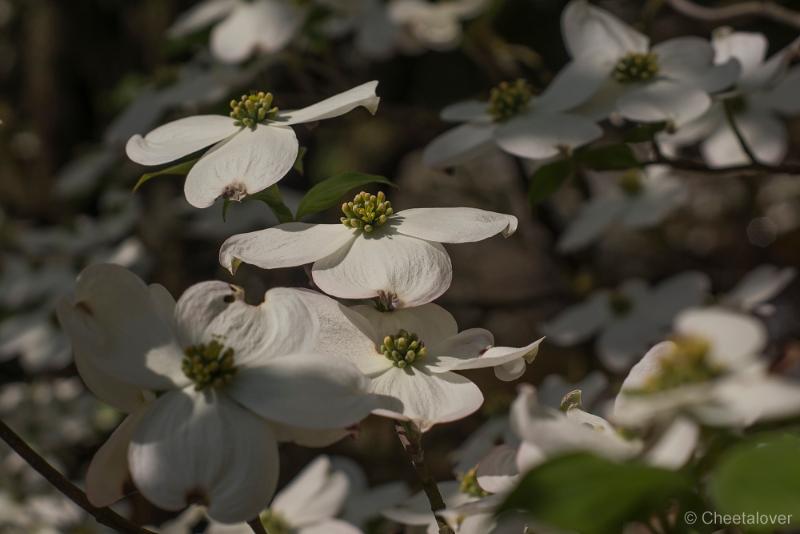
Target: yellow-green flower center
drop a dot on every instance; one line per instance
(366, 212)
(636, 67)
(274, 523)
(688, 363)
(508, 99)
(620, 303)
(403, 348)
(468, 484)
(252, 109)
(631, 182)
(209, 365)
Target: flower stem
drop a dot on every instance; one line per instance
(105, 516)
(729, 116)
(257, 526)
(411, 439)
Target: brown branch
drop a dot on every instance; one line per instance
(105, 516)
(411, 439)
(257, 526)
(754, 8)
(700, 167)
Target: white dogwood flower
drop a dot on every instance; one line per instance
(373, 252)
(252, 149)
(242, 27)
(364, 503)
(711, 369)
(765, 93)
(426, 25)
(616, 66)
(758, 286)
(629, 319)
(524, 125)
(225, 371)
(642, 199)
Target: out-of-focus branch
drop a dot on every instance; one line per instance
(104, 516)
(700, 167)
(257, 526)
(769, 10)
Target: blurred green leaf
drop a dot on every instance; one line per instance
(591, 495)
(760, 476)
(608, 158)
(644, 132)
(180, 169)
(548, 179)
(299, 165)
(329, 192)
(271, 196)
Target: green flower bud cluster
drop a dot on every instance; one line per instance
(688, 363)
(366, 212)
(468, 484)
(631, 182)
(403, 348)
(635, 67)
(274, 523)
(209, 365)
(252, 109)
(508, 99)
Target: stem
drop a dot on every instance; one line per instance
(737, 132)
(700, 167)
(411, 439)
(769, 10)
(257, 526)
(105, 516)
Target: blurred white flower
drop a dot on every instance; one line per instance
(642, 199)
(431, 25)
(629, 319)
(711, 370)
(766, 91)
(616, 66)
(242, 27)
(533, 127)
(365, 503)
(226, 369)
(374, 252)
(554, 387)
(252, 149)
(758, 286)
(416, 511)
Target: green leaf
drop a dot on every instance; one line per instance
(299, 165)
(181, 169)
(591, 495)
(608, 158)
(329, 192)
(645, 132)
(760, 476)
(548, 179)
(271, 196)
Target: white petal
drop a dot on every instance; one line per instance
(579, 322)
(736, 339)
(592, 220)
(545, 135)
(481, 442)
(498, 473)
(305, 390)
(468, 111)
(108, 472)
(764, 133)
(361, 96)
(784, 96)
(718, 77)
(430, 322)
(459, 145)
(316, 494)
(199, 305)
(200, 16)
(662, 195)
(676, 293)
(752, 397)
(204, 446)
(626, 339)
(285, 245)
(589, 30)
(179, 138)
(676, 445)
(684, 58)
(663, 101)
(136, 345)
(510, 371)
(428, 399)
(574, 84)
(414, 270)
(471, 350)
(416, 511)
(308, 437)
(759, 285)
(251, 161)
(454, 225)
(749, 49)
(266, 25)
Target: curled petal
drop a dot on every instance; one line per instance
(454, 225)
(361, 96)
(179, 138)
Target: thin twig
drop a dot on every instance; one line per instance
(700, 167)
(729, 116)
(105, 516)
(411, 439)
(257, 526)
(719, 14)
